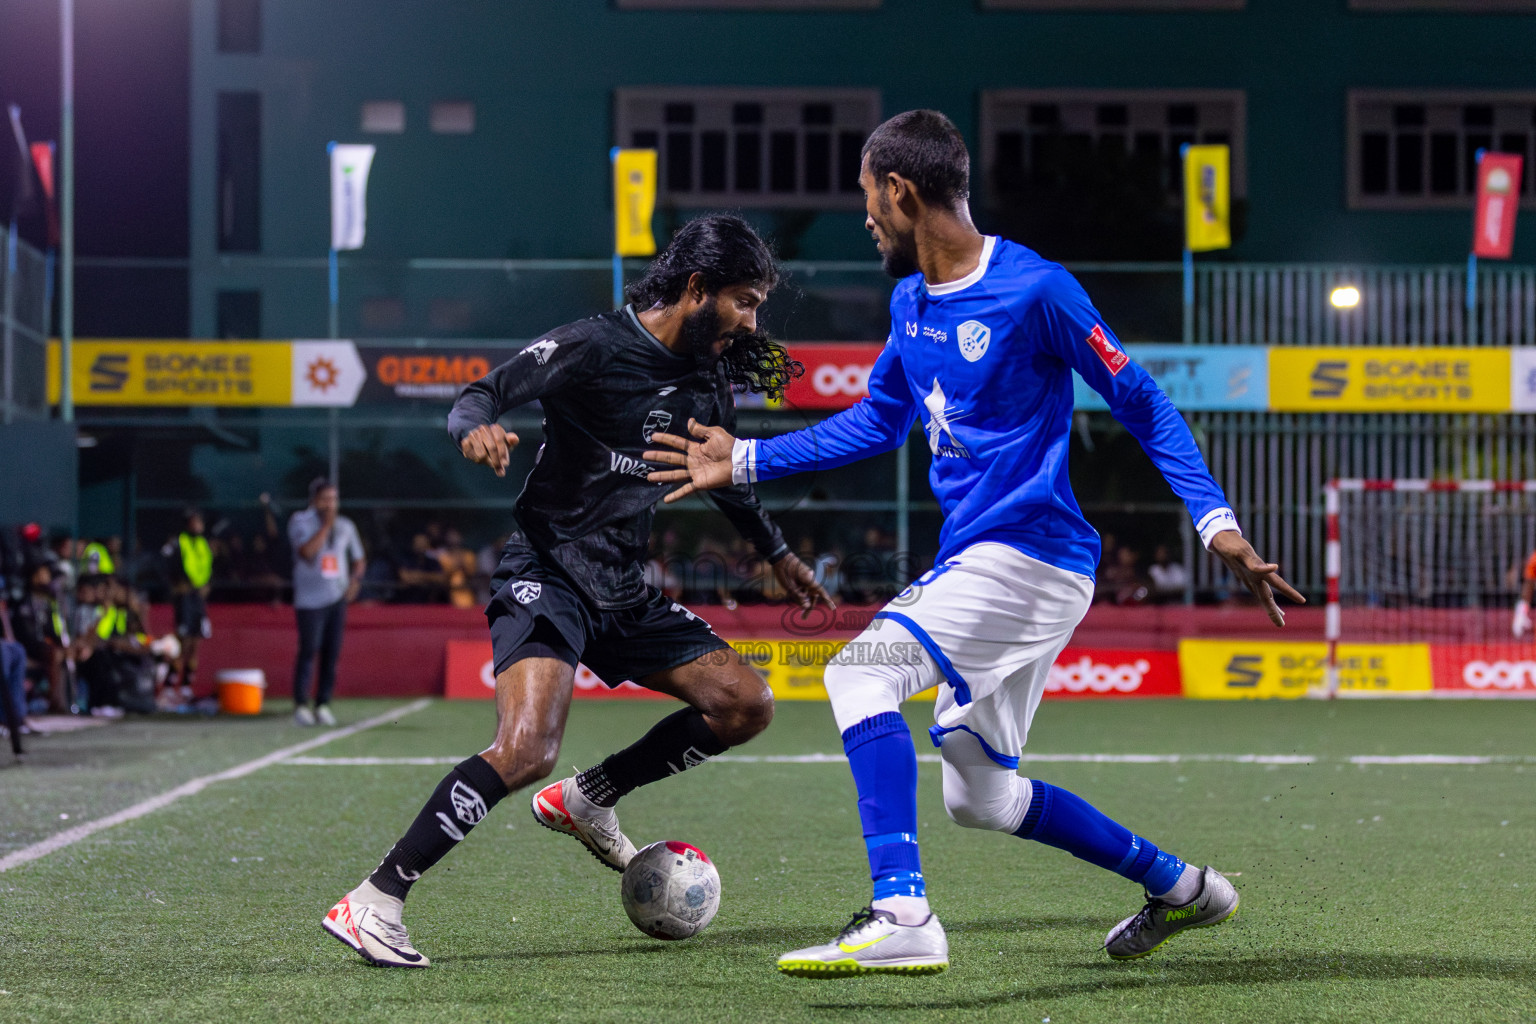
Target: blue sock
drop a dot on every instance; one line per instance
(884, 764)
(1060, 818)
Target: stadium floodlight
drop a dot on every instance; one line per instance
(1345, 297)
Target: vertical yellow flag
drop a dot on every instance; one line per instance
(1207, 198)
(634, 200)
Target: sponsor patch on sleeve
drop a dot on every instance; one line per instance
(1112, 357)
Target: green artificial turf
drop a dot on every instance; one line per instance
(1370, 893)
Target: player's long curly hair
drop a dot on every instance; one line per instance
(725, 251)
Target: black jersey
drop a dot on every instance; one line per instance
(606, 385)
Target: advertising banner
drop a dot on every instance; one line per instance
(470, 673)
(1498, 201)
(350, 164)
(176, 372)
(1207, 198)
(795, 669)
(1237, 670)
(1197, 378)
(437, 375)
(1522, 380)
(173, 372)
(1427, 379)
(634, 201)
(1478, 670)
(836, 374)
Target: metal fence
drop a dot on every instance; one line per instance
(23, 330)
(1289, 304)
(1273, 465)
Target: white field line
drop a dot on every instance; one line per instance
(1262, 759)
(71, 836)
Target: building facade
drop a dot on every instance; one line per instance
(1353, 124)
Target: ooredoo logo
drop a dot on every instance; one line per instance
(1499, 675)
(1098, 677)
(830, 379)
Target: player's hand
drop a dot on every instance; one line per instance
(705, 456)
(1522, 621)
(489, 445)
(799, 582)
(1259, 576)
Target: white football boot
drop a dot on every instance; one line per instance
(598, 832)
(368, 921)
(873, 943)
(1159, 921)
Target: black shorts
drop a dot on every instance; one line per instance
(191, 614)
(625, 644)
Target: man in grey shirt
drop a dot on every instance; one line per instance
(327, 567)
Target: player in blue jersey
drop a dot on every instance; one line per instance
(984, 337)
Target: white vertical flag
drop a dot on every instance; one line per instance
(349, 192)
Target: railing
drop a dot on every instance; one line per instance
(1290, 304)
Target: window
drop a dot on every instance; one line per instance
(1115, 5)
(746, 5)
(238, 314)
(384, 117)
(1419, 150)
(752, 147)
(1033, 138)
(455, 117)
(1456, 6)
(239, 26)
(239, 171)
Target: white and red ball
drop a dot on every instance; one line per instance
(671, 890)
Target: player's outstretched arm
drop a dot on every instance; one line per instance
(704, 457)
(1259, 576)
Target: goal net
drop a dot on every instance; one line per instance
(1423, 577)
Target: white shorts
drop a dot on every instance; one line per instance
(992, 621)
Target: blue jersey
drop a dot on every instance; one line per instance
(986, 364)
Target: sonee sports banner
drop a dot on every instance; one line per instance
(249, 373)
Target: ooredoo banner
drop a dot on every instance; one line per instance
(836, 375)
(1480, 670)
(471, 675)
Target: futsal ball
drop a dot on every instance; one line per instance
(671, 890)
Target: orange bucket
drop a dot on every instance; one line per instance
(240, 690)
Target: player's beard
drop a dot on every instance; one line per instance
(701, 333)
(896, 259)
(897, 263)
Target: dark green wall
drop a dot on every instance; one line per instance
(532, 180)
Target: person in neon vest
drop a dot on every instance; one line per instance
(191, 563)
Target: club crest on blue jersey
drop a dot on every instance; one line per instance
(974, 338)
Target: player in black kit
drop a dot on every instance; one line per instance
(570, 585)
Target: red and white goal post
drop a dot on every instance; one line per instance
(1423, 577)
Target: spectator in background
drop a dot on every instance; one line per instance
(101, 557)
(1123, 580)
(459, 566)
(189, 560)
(825, 566)
(39, 625)
(328, 565)
(13, 679)
(422, 580)
(1169, 578)
(486, 560)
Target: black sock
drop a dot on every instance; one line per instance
(674, 744)
(464, 796)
